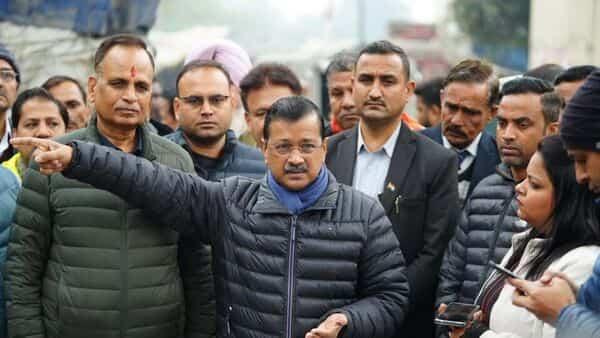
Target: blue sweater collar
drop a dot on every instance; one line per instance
(298, 201)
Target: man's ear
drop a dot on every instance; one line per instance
(494, 110)
(263, 147)
(236, 99)
(552, 128)
(92, 82)
(176, 107)
(435, 115)
(492, 114)
(410, 87)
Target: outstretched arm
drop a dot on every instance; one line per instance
(184, 201)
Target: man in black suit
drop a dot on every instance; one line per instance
(469, 98)
(413, 177)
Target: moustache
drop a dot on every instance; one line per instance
(295, 169)
(455, 130)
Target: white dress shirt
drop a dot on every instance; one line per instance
(471, 153)
(371, 168)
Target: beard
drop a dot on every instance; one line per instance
(203, 140)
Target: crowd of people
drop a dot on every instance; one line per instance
(236, 210)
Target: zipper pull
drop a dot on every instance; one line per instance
(228, 320)
(293, 229)
(397, 204)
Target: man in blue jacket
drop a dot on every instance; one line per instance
(554, 298)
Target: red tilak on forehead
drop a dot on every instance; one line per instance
(133, 71)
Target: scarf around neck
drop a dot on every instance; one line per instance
(298, 201)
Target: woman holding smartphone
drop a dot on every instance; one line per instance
(564, 237)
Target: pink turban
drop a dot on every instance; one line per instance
(233, 57)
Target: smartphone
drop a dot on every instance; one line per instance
(457, 315)
(503, 270)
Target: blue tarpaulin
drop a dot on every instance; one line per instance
(95, 18)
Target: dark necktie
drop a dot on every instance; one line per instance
(462, 155)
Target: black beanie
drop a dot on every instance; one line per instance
(580, 124)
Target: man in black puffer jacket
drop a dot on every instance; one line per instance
(489, 218)
(294, 253)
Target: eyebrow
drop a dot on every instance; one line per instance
(535, 178)
(522, 119)
(517, 120)
(463, 107)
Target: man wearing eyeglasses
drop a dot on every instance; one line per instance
(204, 110)
(9, 84)
(297, 254)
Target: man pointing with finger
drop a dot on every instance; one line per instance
(83, 262)
(297, 255)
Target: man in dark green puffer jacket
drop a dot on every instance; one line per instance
(83, 262)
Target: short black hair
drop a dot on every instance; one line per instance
(35, 93)
(525, 85)
(475, 71)
(59, 79)
(343, 61)
(552, 104)
(120, 40)
(383, 47)
(429, 91)
(574, 74)
(201, 64)
(547, 72)
(269, 73)
(292, 109)
(529, 85)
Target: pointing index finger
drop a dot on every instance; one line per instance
(31, 141)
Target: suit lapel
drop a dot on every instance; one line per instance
(486, 158)
(437, 136)
(345, 159)
(401, 161)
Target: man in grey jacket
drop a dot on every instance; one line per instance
(296, 254)
(489, 218)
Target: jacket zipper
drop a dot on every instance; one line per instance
(228, 320)
(124, 272)
(490, 256)
(291, 277)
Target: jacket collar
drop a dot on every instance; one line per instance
(267, 203)
(227, 155)
(503, 170)
(345, 156)
(92, 134)
(532, 246)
